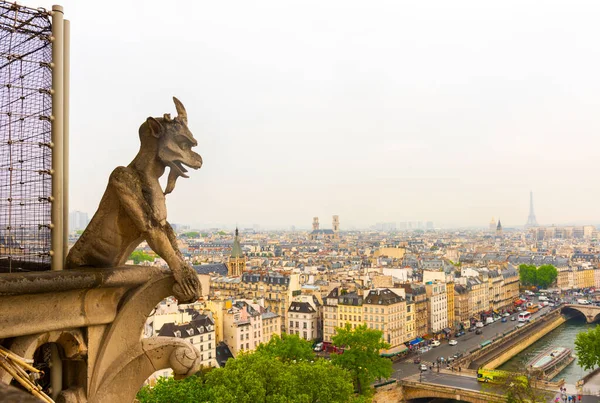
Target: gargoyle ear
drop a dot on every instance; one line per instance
(154, 126)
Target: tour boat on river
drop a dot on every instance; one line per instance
(549, 363)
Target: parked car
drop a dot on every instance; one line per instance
(435, 343)
(417, 360)
(505, 314)
(479, 324)
(459, 334)
(478, 331)
(512, 319)
(504, 320)
(457, 355)
(423, 367)
(472, 329)
(318, 347)
(453, 342)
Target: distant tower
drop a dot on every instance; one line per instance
(493, 225)
(335, 226)
(499, 229)
(531, 221)
(236, 264)
(315, 223)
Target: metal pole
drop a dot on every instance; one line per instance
(66, 86)
(57, 137)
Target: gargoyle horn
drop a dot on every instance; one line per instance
(181, 113)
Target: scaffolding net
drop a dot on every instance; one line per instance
(25, 138)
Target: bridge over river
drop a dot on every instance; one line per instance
(591, 312)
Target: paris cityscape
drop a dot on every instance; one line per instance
(305, 202)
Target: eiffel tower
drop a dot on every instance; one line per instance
(531, 221)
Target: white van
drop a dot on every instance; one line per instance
(489, 320)
(582, 301)
(479, 324)
(543, 298)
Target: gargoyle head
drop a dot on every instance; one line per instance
(174, 143)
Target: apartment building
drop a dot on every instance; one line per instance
(350, 310)
(276, 288)
(410, 332)
(242, 327)
(330, 314)
(462, 306)
(495, 285)
(386, 311)
(450, 298)
(510, 286)
(418, 295)
(437, 300)
(200, 332)
(303, 319)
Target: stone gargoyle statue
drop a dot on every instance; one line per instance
(133, 207)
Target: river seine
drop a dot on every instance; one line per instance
(562, 336)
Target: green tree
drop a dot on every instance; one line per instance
(222, 233)
(139, 256)
(361, 355)
(587, 348)
(251, 378)
(168, 390)
(191, 234)
(517, 387)
(546, 275)
(288, 347)
(321, 381)
(527, 274)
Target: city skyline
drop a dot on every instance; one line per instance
(386, 112)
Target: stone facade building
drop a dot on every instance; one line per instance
(386, 311)
(303, 319)
(437, 300)
(330, 314)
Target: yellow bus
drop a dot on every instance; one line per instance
(496, 375)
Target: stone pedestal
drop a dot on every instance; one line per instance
(96, 317)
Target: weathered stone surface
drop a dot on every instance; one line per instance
(133, 207)
(98, 328)
(10, 394)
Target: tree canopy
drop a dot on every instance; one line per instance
(517, 387)
(288, 347)
(546, 275)
(361, 355)
(191, 234)
(283, 370)
(528, 274)
(139, 256)
(587, 348)
(542, 276)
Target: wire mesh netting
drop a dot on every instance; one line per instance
(25, 138)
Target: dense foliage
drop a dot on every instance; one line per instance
(542, 276)
(361, 355)
(283, 370)
(288, 347)
(516, 387)
(587, 348)
(139, 256)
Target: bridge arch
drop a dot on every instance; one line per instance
(591, 313)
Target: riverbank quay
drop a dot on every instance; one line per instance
(510, 339)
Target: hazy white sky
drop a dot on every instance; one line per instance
(449, 111)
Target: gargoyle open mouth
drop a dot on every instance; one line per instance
(179, 167)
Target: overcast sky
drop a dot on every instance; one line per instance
(449, 111)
